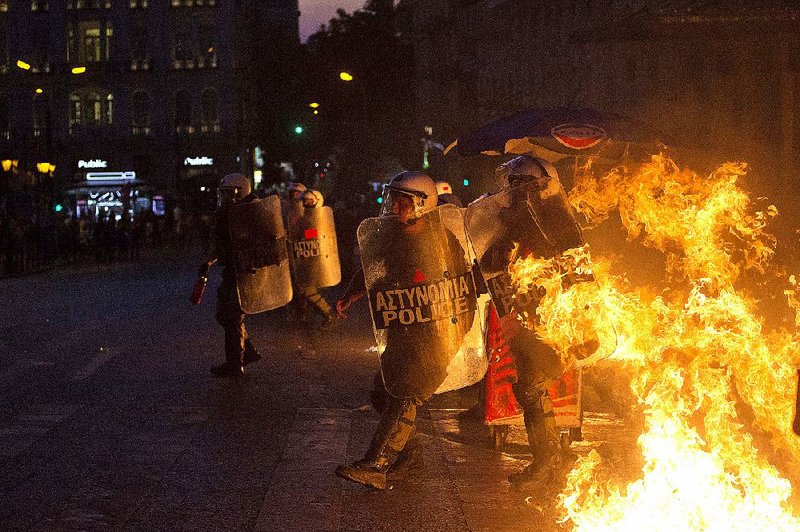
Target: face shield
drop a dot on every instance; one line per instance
(518, 179)
(227, 196)
(404, 204)
(309, 201)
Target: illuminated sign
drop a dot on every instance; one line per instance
(93, 163)
(198, 161)
(110, 176)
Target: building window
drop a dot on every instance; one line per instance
(210, 115)
(88, 4)
(89, 41)
(39, 5)
(4, 118)
(108, 110)
(183, 48)
(3, 47)
(139, 57)
(94, 109)
(39, 50)
(91, 109)
(183, 112)
(75, 110)
(140, 113)
(3, 6)
(39, 114)
(134, 4)
(207, 43)
(91, 45)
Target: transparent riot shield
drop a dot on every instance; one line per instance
(313, 252)
(423, 302)
(258, 242)
(534, 222)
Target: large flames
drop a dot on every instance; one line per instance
(716, 390)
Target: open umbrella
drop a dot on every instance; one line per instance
(555, 133)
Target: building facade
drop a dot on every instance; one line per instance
(721, 78)
(160, 91)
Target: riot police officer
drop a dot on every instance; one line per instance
(239, 350)
(520, 233)
(309, 296)
(417, 351)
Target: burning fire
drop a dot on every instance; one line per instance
(715, 389)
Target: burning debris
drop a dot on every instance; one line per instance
(715, 388)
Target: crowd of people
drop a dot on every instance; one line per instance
(33, 242)
(32, 239)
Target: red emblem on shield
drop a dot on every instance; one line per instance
(308, 234)
(578, 136)
(419, 277)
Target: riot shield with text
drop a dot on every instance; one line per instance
(258, 243)
(532, 221)
(313, 253)
(423, 302)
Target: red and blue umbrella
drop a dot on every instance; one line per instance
(555, 133)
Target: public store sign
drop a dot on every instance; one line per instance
(198, 161)
(93, 163)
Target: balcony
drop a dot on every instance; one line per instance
(193, 3)
(210, 128)
(140, 64)
(88, 4)
(184, 130)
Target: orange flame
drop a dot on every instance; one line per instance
(709, 380)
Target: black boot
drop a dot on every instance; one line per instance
(234, 353)
(543, 440)
(395, 428)
(372, 474)
(251, 354)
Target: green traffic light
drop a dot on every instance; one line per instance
(466, 182)
(59, 207)
(298, 130)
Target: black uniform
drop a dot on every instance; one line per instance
(415, 359)
(238, 348)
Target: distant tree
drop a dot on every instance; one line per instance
(369, 120)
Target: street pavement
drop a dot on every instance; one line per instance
(109, 420)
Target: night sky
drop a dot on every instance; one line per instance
(316, 12)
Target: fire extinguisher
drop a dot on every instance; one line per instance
(199, 287)
(796, 426)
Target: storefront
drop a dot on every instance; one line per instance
(106, 190)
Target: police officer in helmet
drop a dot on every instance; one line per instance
(239, 351)
(310, 297)
(538, 365)
(411, 369)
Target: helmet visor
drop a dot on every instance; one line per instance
(227, 196)
(401, 202)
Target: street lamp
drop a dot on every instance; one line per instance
(345, 76)
(23, 65)
(79, 70)
(313, 105)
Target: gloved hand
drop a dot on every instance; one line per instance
(202, 271)
(344, 304)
